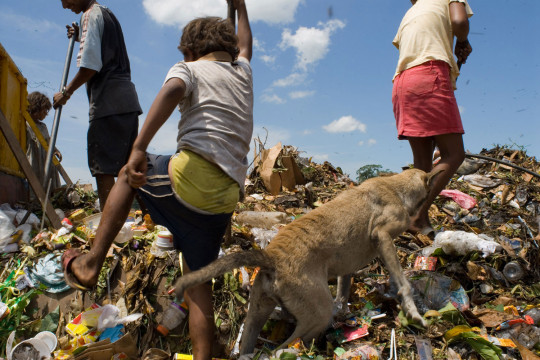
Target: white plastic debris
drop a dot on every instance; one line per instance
(263, 236)
(110, 317)
(481, 180)
(461, 243)
(6, 228)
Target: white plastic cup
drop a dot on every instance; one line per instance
(48, 338)
(38, 344)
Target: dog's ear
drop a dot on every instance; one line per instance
(431, 176)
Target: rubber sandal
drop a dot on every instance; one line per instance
(67, 258)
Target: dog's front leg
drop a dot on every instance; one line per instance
(341, 308)
(388, 253)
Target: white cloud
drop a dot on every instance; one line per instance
(180, 12)
(311, 44)
(307, 132)
(319, 158)
(360, 143)
(345, 124)
(301, 94)
(293, 79)
(371, 142)
(272, 98)
(258, 45)
(273, 12)
(267, 59)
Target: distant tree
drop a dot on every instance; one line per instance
(369, 171)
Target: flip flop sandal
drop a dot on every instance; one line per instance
(67, 258)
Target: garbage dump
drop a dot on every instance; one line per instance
(476, 282)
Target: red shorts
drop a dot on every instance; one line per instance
(424, 102)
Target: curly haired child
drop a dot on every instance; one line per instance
(194, 192)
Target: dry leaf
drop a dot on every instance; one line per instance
(492, 318)
(476, 272)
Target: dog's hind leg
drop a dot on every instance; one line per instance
(312, 309)
(388, 253)
(260, 307)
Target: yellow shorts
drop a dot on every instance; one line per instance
(202, 184)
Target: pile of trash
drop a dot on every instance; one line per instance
(476, 282)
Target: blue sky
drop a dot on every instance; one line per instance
(322, 72)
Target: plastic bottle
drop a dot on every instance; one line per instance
(262, 219)
(513, 271)
(172, 317)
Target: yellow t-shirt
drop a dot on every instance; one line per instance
(425, 34)
(202, 184)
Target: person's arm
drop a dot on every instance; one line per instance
(245, 39)
(164, 104)
(82, 76)
(90, 61)
(460, 28)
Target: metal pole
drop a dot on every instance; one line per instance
(57, 113)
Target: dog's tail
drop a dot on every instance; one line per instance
(252, 258)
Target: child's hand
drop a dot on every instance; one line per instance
(60, 99)
(73, 30)
(136, 168)
(58, 155)
(462, 50)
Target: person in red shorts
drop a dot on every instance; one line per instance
(423, 98)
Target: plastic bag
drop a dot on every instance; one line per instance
(6, 228)
(464, 200)
(461, 243)
(26, 230)
(436, 290)
(263, 236)
(481, 180)
(7, 210)
(32, 219)
(125, 234)
(110, 317)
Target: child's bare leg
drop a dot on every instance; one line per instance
(452, 155)
(422, 149)
(86, 267)
(201, 319)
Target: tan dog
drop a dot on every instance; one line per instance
(336, 239)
